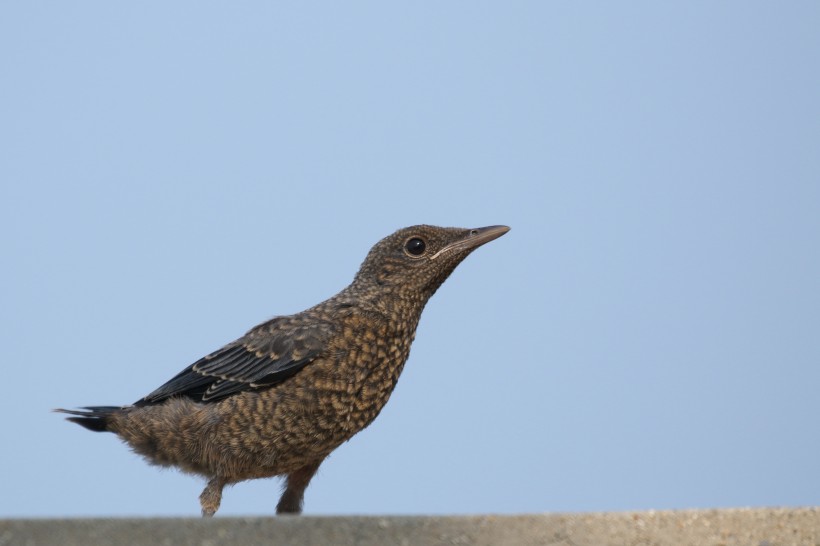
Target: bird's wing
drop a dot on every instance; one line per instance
(266, 355)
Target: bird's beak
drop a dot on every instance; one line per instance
(474, 238)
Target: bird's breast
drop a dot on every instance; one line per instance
(371, 355)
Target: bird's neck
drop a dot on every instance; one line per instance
(392, 302)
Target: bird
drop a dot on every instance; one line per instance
(278, 400)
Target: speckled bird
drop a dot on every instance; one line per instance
(278, 400)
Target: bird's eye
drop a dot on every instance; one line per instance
(415, 246)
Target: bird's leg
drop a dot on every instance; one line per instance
(294, 494)
(211, 497)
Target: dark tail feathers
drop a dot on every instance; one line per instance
(91, 417)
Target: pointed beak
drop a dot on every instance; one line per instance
(474, 239)
(483, 235)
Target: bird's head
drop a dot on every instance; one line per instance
(417, 259)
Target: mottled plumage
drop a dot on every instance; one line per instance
(281, 398)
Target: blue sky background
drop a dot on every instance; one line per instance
(646, 336)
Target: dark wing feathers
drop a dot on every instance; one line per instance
(265, 356)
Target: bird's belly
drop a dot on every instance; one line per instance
(284, 428)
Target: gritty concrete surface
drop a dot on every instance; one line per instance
(728, 527)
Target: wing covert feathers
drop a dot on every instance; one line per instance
(265, 356)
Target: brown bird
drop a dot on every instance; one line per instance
(280, 399)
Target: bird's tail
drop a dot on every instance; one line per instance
(94, 418)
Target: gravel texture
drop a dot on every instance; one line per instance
(725, 527)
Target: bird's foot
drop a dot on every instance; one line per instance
(211, 497)
(294, 494)
(289, 506)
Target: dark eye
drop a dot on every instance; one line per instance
(415, 246)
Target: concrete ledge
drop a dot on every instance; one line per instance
(752, 526)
